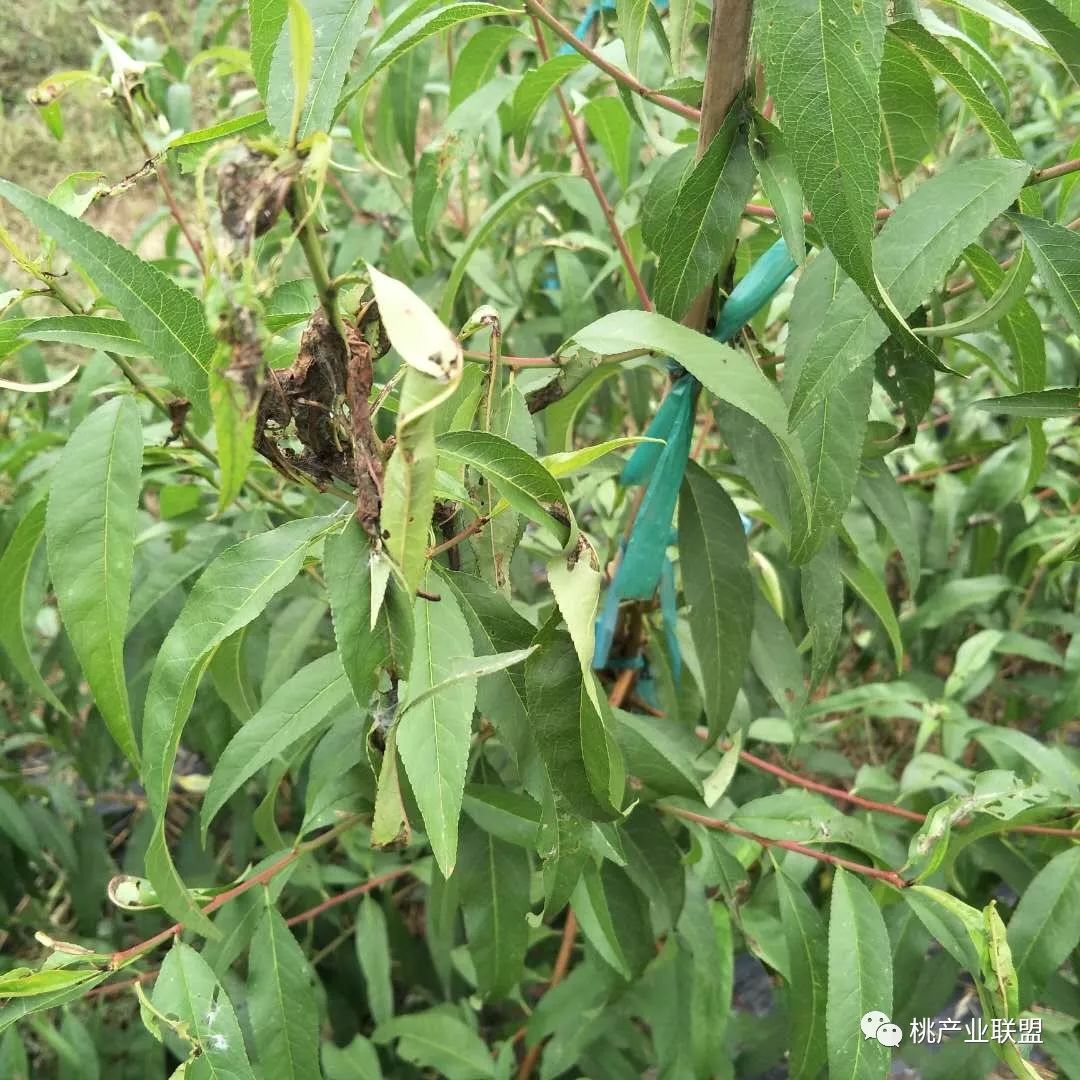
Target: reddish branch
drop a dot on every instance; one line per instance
(871, 804)
(891, 876)
(119, 959)
(562, 965)
(347, 895)
(305, 916)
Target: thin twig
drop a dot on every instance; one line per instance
(558, 973)
(624, 78)
(890, 876)
(471, 529)
(125, 956)
(868, 804)
(594, 180)
(347, 895)
(514, 361)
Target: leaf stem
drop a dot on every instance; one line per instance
(471, 529)
(624, 78)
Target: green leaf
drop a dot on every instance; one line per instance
(572, 461)
(1005, 297)
(409, 482)
(491, 217)
(631, 15)
(917, 38)
(357, 1061)
(860, 980)
(575, 583)
(700, 233)
(954, 597)
(281, 1001)
(574, 739)
(1059, 24)
(777, 174)
(1056, 252)
(534, 89)
(822, 63)
(15, 825)
(715, 568)
(433, 738)
(614, 918)
(167, 319)
(290, 72)
(21, 1007)
(477, 667)
(496, 627)
(872, 589)
(439, 1040)
(90, 530)
(909, 109)
(234, 428)
(20, 982)
(1044, 930)
(389, 823)
(267, 18)
(478, 60)
(610, 125)
(730, 374)
(804, 933)
(822, 589)
(86, 331)
(363, 651)
(338, 28)
(14, 571)
(296, 708)
(525, 484)
(159, 576)
(1040, 404)
(425, 25)
(494, 892)
(914, 250)
(232, 591)
(373, 952)
(192, 146)
(882, 494)
(661, 758)
(187, 988)
(663, 190)
(654, 863)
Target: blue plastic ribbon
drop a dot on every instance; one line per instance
(644, 564)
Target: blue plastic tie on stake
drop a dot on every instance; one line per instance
(644, 564)
(582, 27)
(754, 290)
